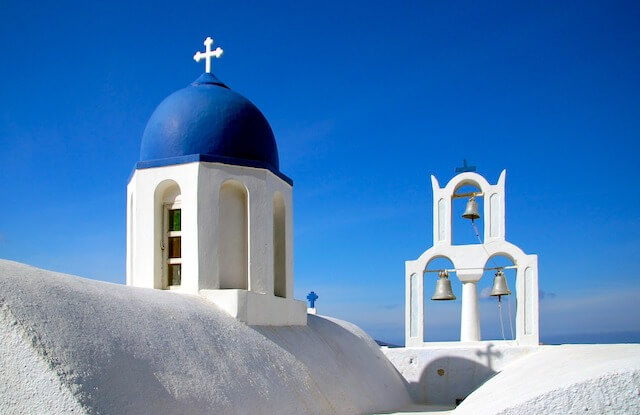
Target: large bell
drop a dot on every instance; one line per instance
(500, 287)
(443, 288)
(471, 212)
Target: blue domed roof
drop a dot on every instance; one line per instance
(207, 121)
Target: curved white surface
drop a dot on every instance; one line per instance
(87, 346)
(566, 379)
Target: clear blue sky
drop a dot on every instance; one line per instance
(366, 100)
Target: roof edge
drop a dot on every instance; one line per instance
(148, 164)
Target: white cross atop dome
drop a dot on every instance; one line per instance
(208, 54)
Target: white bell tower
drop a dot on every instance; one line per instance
(470, 262)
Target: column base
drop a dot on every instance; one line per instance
(258, 309)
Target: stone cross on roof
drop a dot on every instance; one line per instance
(312, 297)
(208, 54)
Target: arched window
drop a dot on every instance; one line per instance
(173, 243)
(497, 319)
(233, 246)
(463, 230)
(441, 318)
(169, 225)
(279, 247)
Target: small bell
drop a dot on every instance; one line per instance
(443, 288)
(471, 212)
(500, 287)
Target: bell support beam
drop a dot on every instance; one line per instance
(467, 195)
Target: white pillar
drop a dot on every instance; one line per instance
(527, 326)
(414, 300)
(470, 321)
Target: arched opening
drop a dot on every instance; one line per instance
(233, 238)
(168, 226)
(441, 318)
(464, 230)
(279, 247)
(497, 319)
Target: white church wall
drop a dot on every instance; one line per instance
(564, 379)
(147, 189)
(259, 309)
(200, 217)
(208, 243)
(261, 187)
(28, 383)
(504, 378)
(279, 246)
(227, 237)
(130, 233)
(443, 372)
(144, 351)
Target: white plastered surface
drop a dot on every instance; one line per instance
(28, 385)
(566, 379)
(441, 373)
(107, 348)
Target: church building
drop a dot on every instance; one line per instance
(208, 210)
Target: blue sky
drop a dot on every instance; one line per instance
(366, 99)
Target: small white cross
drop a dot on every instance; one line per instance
(208, 54)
